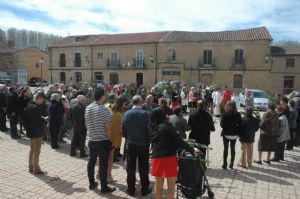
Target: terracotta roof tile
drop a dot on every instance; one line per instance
(288, 49)
(260, 33)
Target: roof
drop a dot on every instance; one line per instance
(287, 49)
(260, 33)
(5, 49)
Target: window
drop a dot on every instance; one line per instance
(239, 59)
(171, 71)
(100, 56)
(290, 62)
(139, 59)
(114, 59)
(207, 57)
(62, 77)
(171, 55)
(114, 78)
(98, 77)
(62, 60)
(78, 77)
(77, 60)
(288, 84)
(237, 81)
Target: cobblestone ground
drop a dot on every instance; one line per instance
(66, 177)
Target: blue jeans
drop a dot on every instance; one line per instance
(13, 121)
(99, 149)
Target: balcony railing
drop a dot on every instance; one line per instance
(119, 65)
(205, 65)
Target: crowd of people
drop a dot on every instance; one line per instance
(148, 120)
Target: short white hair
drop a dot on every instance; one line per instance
(55, 96)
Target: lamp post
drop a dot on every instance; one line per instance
(152, 61)
(41, 63)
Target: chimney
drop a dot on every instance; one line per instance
(11, 44)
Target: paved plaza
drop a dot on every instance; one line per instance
(66, 177)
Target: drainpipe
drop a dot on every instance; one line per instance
(92, 76)
(50, 63)
(156, 64)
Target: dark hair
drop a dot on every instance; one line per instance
(280, 108)
(98, 94)
(158, 116)
(285, 99)
(272, 106)
(249, 111)
(118, 105)
(163, 101)
(177, 110)
(292, 103)
(230, 107)
(65, 91)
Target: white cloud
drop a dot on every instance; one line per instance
(89, 16)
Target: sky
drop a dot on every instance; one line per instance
(78, 17)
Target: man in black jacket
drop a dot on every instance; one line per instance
(12, 97)
(35, 127)
(201, 123)
(3, 105)
(79, 129)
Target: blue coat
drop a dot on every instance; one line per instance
(135, 127)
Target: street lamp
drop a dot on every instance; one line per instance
(41, 63)
(152, 61)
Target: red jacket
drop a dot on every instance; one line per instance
(226, 95)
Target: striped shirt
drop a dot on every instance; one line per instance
(96, 118)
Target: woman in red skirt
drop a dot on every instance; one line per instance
(165, 142)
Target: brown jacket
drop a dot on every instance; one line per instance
(269, 124)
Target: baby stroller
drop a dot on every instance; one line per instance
(192, 182)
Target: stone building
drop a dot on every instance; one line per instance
(34, 61)
(233, 58)
(30, 60)
(285, 68)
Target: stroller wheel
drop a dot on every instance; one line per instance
(210, 194)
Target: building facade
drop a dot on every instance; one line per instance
(234, 58)
(32, 61)
(285, 68)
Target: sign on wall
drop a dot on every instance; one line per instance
(22, 76)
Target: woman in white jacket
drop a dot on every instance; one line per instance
(217, 98)
(284, 133)
(184, 99)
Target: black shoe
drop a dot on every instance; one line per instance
(224, 167)
(72, 154)
(274, 160)
(108, 189)
(257, 162)
(83, 155)
(231, 166)
(130, 193)
(267, 161)
(16, 137)
(146, 192)
(93, 186)
(55, 147)
(116, 159)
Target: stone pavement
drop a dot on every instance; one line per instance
(66, 177)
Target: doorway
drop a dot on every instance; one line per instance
(139, 79)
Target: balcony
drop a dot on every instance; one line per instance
(210, 66)
(238, 64)
(116, 65)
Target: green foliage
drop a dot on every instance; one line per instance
(255, 114)
(164, 86)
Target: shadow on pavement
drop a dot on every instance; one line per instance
(60, 185)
